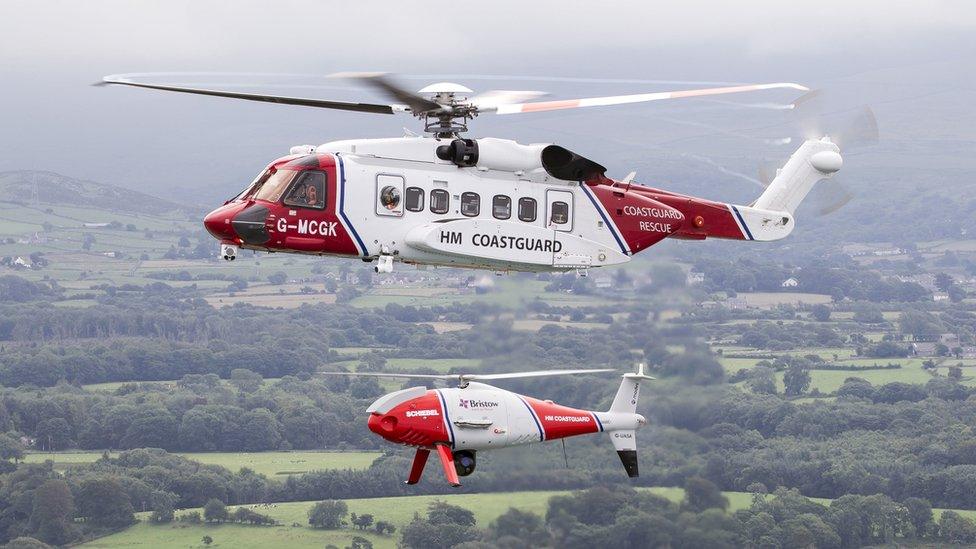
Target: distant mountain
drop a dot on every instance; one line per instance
(44, 187)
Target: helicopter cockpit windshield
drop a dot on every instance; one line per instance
(270, 185)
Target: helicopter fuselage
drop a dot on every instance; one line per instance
(397, 200)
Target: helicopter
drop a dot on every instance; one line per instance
(457, 422)
(446, 200)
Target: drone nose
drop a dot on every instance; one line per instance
(382, 425)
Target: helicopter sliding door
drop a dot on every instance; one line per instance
(559, 210)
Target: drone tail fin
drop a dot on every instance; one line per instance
(816, 159)
(622, 420)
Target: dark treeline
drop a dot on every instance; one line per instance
(165, 338)
(837, 275)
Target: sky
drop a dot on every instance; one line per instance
(51, 51)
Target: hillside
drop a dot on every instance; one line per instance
(44, 187)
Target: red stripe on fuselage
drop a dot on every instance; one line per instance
(562, 421)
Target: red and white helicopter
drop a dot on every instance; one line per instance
(458, 422)
(482, 203)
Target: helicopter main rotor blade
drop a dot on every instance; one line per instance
(541, 106)
(122, 80)
(381, 82)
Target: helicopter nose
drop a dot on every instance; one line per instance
(218, 223)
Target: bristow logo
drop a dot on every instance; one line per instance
(421, 413)
(472, 403)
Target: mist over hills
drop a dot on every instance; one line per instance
(44, 187)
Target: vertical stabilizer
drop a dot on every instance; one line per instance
(622, 420)
(816, 159)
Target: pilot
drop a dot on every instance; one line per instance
(311, 195)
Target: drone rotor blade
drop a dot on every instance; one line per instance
(123, 80)
(383, 374)
(537, 373)
(541, 106)
(381, 82)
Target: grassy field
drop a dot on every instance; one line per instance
(294, 531)
(398, 510)
(267, 463)
(509, 291)
(764, 300)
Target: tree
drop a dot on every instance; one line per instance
(245, 380)
(359, 542)
(956, 528)
(207, 540)
(52, 512)
(278, 278)
(523, 525)
(383, 527)
(11, 448)
(943, 282)
(362, 521)
(762, 380)
(163, 512)
(796, 380)
(920, 514)
(701, 494)
(26, 543)
(820, 312)
(260, 431)
(215, 511)
(104, 502)
(327, 514)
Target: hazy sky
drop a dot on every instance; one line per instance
(51, 51)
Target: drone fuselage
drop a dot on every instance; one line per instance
(459, 422)
(394, 199)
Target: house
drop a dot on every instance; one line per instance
(21, 263)
(790, 283)
(694, 278)
(603, 282)
(940, 296)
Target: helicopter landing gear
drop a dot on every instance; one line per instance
(228, 252)
(384, 263)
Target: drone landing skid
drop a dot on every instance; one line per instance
(447, 460)
(417, 469)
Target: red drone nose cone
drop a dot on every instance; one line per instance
(382, 425)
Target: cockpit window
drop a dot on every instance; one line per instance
(272, 189)
(308, 191)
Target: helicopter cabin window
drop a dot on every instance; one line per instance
(414, 199)
(560, 213)
(470, 204)
(527, 209)
(501, 207)
(440, 201)
(272, 188)
(308, 191)
(389, 195)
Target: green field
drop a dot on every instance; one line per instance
(294, 530)
(267, 463)
(398, 510)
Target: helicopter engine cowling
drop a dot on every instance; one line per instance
(505, 155)
(464, 462)
(493, 154)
